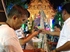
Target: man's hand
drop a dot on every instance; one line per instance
(45, 31)
(35, 32)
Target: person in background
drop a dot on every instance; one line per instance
(25, 39)
(53, 35)
(64, 39)
(56, 31)
(8, 39)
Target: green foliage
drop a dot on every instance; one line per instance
(58, 17)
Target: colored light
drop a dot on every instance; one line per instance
(26, 6)
(22, 25)
(59, 8)
(59, 18)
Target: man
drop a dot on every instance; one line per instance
(64, 39)
(8, 40)
(2, 20)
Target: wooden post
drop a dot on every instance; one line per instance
(3, 4)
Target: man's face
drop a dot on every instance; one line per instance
(64, 14)
(20, 21)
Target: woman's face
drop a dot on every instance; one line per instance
(56, 28)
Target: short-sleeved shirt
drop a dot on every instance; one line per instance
(8, 40)
(64, 34)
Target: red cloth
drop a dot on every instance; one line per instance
(33, 50)
(28, 50)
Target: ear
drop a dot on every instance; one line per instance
(65, 12)
(14, 17)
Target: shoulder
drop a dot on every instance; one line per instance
(6, 28)
(6, 31)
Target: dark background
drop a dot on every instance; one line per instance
(54, 3)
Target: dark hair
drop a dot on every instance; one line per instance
(2, 17)
(58, 26)
(18, 10)
(66, 7)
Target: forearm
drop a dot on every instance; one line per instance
(64, 47)
(26, 39)
(54, 33)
